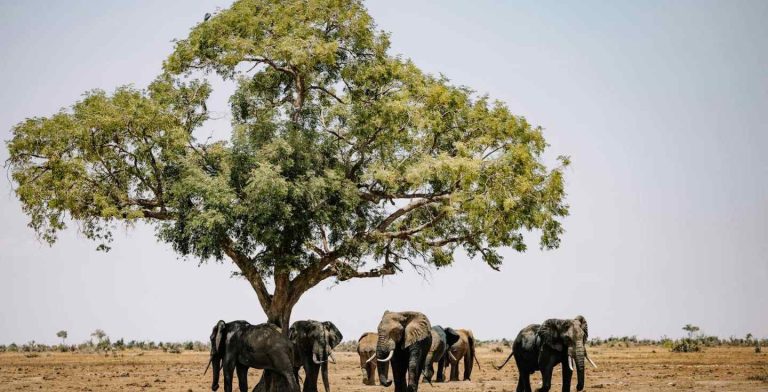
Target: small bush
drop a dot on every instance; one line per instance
(497, 349)
(686, 346)
(761, 377)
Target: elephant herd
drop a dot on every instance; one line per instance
(404, 341)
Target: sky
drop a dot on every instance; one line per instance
(660, 105)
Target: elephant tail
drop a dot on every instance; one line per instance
(209, 365)
(505, 362)
(472, 351)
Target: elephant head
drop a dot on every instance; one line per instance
(568, 336)
(314, 338)
(451, 337)
(217, 351)
(398, 330)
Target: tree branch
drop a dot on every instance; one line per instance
(250, 272)
(323, 89)
(408, 208)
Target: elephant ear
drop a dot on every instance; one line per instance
(584, 325)
(220, 331)
(417, 328)
(451, 336)
(334, 335)
(296, 331)
(551, 332)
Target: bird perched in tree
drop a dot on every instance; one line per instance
(207, 16)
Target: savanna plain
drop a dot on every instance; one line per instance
(641, 368)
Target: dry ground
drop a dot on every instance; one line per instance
(620, 369)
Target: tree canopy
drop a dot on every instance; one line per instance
(344, 160)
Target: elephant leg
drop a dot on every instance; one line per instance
(522, 381)
(417, 356)
(229, 371)
(242, 377)
(468, 363)
(567, 374)
(290, 379)
(455, 370)
(429, 371)
(399, 372)
(547, 367)
(324, 371)
(440, 370)
(371, 373)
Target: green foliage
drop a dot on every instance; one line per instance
(344, 161)
(63, 335)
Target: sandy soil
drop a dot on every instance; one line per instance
(620, 369)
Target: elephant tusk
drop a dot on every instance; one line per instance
(452, 357)
(315, 360)
(371, 358)
(570, 362)
(590, 361)
(331, 358)
(391, 353)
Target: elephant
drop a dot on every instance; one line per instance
(462, 348)
(314, 342)
(238, 345)
(437, 353)
(366, 349)
(542, 347)
(404, 339)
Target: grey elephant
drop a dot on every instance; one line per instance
(463, 348)
(404, 339)
(238, 345)
(438, 353)
(542, 347)
(314, 342)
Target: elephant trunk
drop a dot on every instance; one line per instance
(580, 353)
(216, 370)
(384, 353)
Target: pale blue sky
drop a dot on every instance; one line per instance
(661, 106)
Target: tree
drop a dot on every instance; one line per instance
(99, 334)
(63, 335)
(344, 161)
(691, 329)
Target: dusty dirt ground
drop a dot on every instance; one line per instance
(620, 369)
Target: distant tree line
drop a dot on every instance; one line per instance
(100, 342)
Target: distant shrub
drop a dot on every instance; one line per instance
(686, 345)
(348, 346)
(13, 348)
(497, 349)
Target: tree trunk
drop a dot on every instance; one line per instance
(278, 314)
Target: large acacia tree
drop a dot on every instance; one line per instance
(344, 161)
